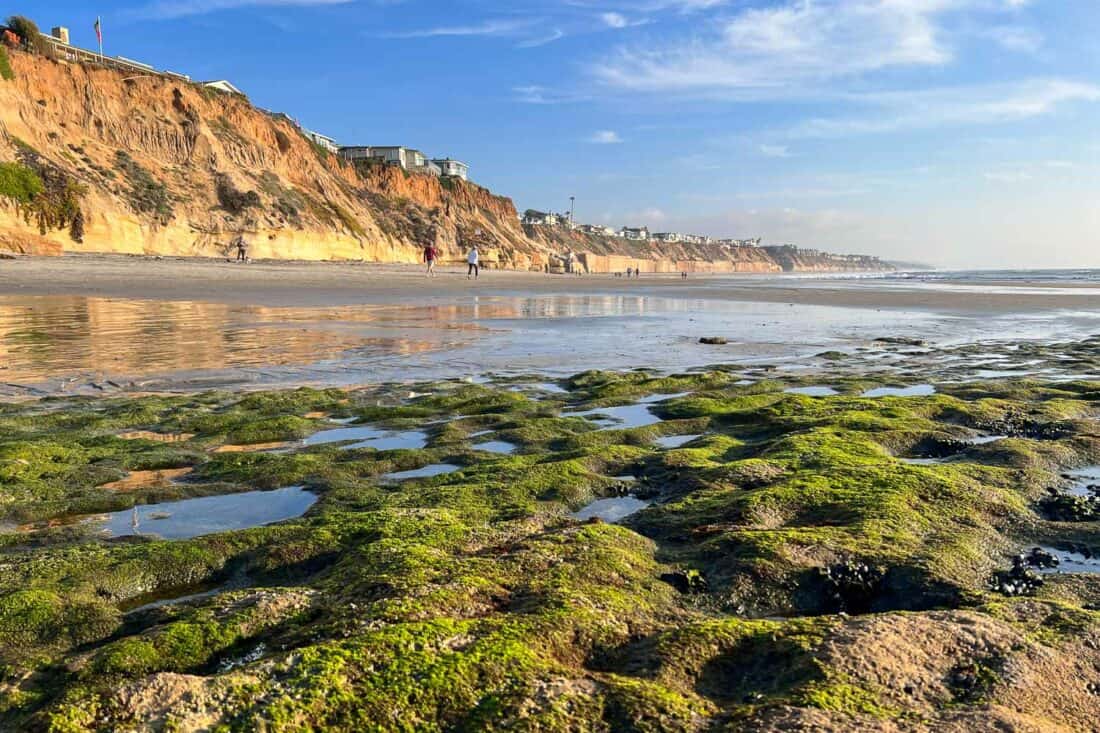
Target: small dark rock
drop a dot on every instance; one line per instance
(852, 586)
(713, 340)
(687, 581)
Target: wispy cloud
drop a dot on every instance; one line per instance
(168, 9)
(620, 21)
(499, 27)
(774, 151)
(535, 94)
(970, 105)
(604, 137)
(1016, 38)
(554, 35)
(795, 43)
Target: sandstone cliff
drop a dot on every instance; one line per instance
(154, 165)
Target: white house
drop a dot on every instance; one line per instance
(408, 158)
(668, 237)
(222, 85)
(635, 233)
(541, 218)
(455, 168)
(324, 141)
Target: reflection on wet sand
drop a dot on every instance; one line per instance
(43, 337)
(136, 480)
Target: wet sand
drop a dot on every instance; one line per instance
(328, 284)
(99, 323)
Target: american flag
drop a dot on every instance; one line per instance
(99, 31)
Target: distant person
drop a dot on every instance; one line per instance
(242, 248)
(629, 272)
(637, 272)
(431, 254)
(472, 263)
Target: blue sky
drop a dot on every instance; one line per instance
(960, 132)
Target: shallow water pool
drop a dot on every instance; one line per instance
(179, 520)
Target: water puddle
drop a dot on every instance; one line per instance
(156, 437)
(1000, 374)
(435, 469)
(917, 390)
(619, 418)
(611, 510)
(923, 461)
(502, 447)
(654, 398)
(1083, 480)
(143, 603)
(369, 437)
(549, 387)
(675, 441)
(1070, 562)
(816, 391)
(137, 480)
(984, 439)
(179, 520)
(254, 447)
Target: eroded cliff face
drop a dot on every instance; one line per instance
(165, 167)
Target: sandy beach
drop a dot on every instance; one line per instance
(330, 284)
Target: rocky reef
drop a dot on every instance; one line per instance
(788, 564)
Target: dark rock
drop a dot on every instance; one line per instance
(851, 586)
(1070, 508)
(687, 581)
(713, 340)
(1038, 558)
(900, 340)
(1021, 580)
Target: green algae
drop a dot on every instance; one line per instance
(469, 600)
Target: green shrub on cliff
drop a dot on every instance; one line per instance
(19, 182)
(147, 194)
(32, 38)
(5, 65)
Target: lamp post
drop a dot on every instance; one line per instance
(572, 200)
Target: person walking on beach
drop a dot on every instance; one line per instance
(472, 263)
(430, 256)
(242, 248)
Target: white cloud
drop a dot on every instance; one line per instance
(604, 137)
(1016, 38)
(554, 35)
(972, 105)
(620, 21)
(167, 9)
(775, 151)
(487, 28)
(535, 94)
(795, 43)
(614, 20)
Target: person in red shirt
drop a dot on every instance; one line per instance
(430, 256)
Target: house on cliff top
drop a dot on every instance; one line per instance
(640, 234)
(222, 85)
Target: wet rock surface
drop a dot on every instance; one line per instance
(787, 572)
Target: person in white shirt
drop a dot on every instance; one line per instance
(472, 263)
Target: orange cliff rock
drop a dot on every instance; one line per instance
(170, 168)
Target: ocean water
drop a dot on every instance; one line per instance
(1014, 276)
